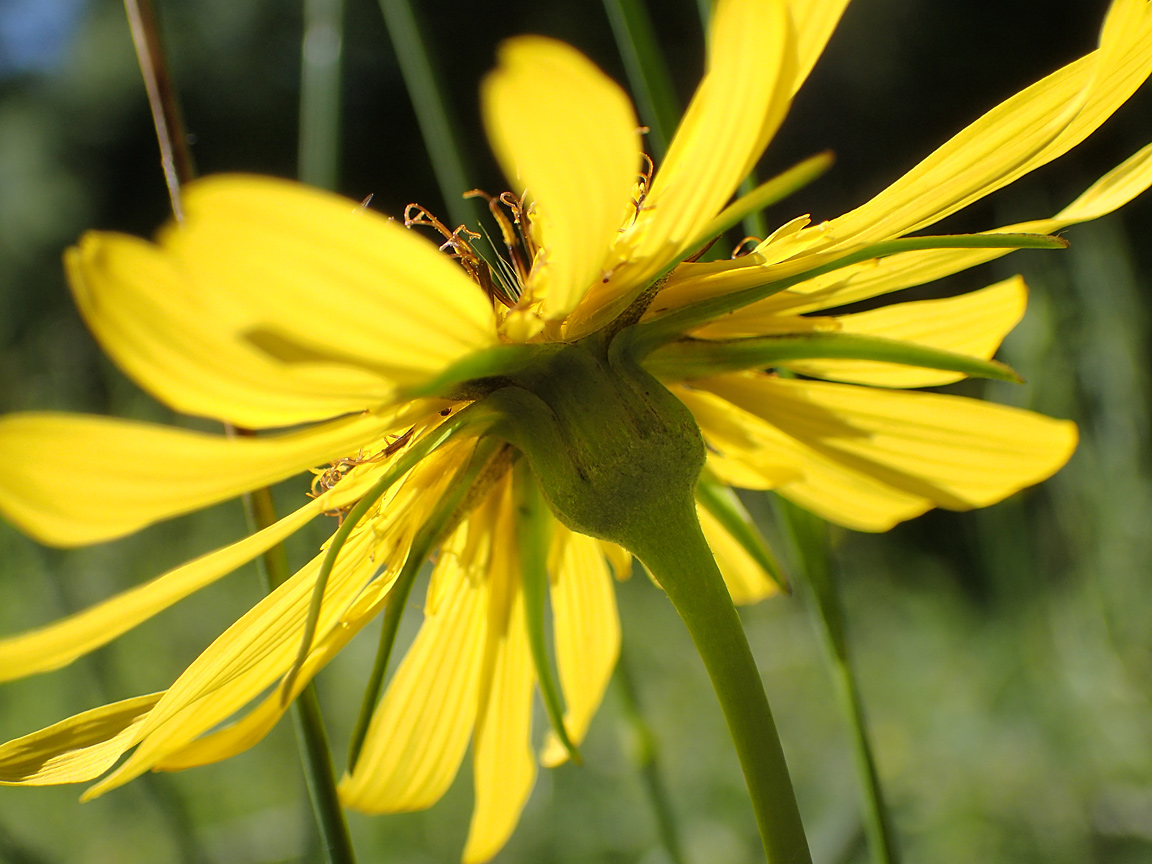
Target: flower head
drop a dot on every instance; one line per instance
(350, 342)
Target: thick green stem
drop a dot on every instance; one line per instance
(618, 457)
(678, 556)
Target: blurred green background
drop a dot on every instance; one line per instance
(1005, 656)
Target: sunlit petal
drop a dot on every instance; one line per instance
(71, 479)
(420, 730)
(813, 22)
(504, 767)
(250, 729)
(1028, 130)
(248, 657)
(737, 107)
(955, 452)
(693, 282)
(973, 324)
(61, 642)
(163, 331)
(351, 287)
(534, 102)
(587, 633)
(77, 749)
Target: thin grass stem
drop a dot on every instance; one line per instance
(320, 56)
(809, 537)
(645, 754)
(175, 158)
(432, 109)
(259, 511)
(648, 75)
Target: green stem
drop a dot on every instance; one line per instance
(809, 537)
(311, 736)
(175, 158)
(431, 107)
(676, 553)
(648, 75)
(258, 508)
(319, 148)
(643, 751)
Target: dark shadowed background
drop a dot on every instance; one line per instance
(1005, 655)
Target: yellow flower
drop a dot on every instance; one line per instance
(347, 340)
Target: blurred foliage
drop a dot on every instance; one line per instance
(1005, 655)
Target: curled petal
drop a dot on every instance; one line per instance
(77, 749)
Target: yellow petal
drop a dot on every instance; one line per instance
(420, 730)
(874, 278)
(955, 452)
(619, 559)
(737, 444)
(61, 642)
(693, 282)
(247, 658)
(974, 324)
(813, 22)
(742, 450)
(737, 107)
(313, 278)
(68, 480)
(74, 750)
(1026, 131)
(587, 633)
(746, 581)
(567, 134)
(165, 333)
(250, 729)
(260, 647)
(504, 767)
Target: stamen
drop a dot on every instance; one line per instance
(457, 245)
(643, 183)
(516, 233)
(327, 478)
(750, 242)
